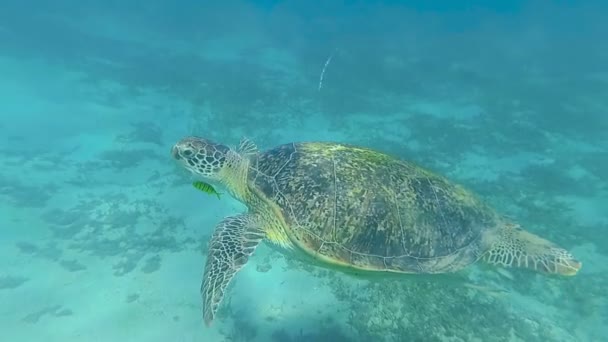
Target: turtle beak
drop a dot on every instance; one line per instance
(175, 153)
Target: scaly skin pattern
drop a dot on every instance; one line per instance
(354, 209)
(363, 210)
(359, 208)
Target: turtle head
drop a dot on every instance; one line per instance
(202, 157)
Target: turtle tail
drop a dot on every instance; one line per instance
(515, 247)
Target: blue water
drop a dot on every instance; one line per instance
(103, 238)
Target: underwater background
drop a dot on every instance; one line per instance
(103, 237)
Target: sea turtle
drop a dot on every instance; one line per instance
(355, 209)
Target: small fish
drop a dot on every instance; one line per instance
(205, 187)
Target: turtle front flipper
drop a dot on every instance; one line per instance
(511, 246)
(232, 243)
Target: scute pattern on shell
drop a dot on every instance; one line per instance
(358, 207)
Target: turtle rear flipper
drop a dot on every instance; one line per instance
(232, 243)
(512, 246)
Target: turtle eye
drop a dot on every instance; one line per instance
(187, 153)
